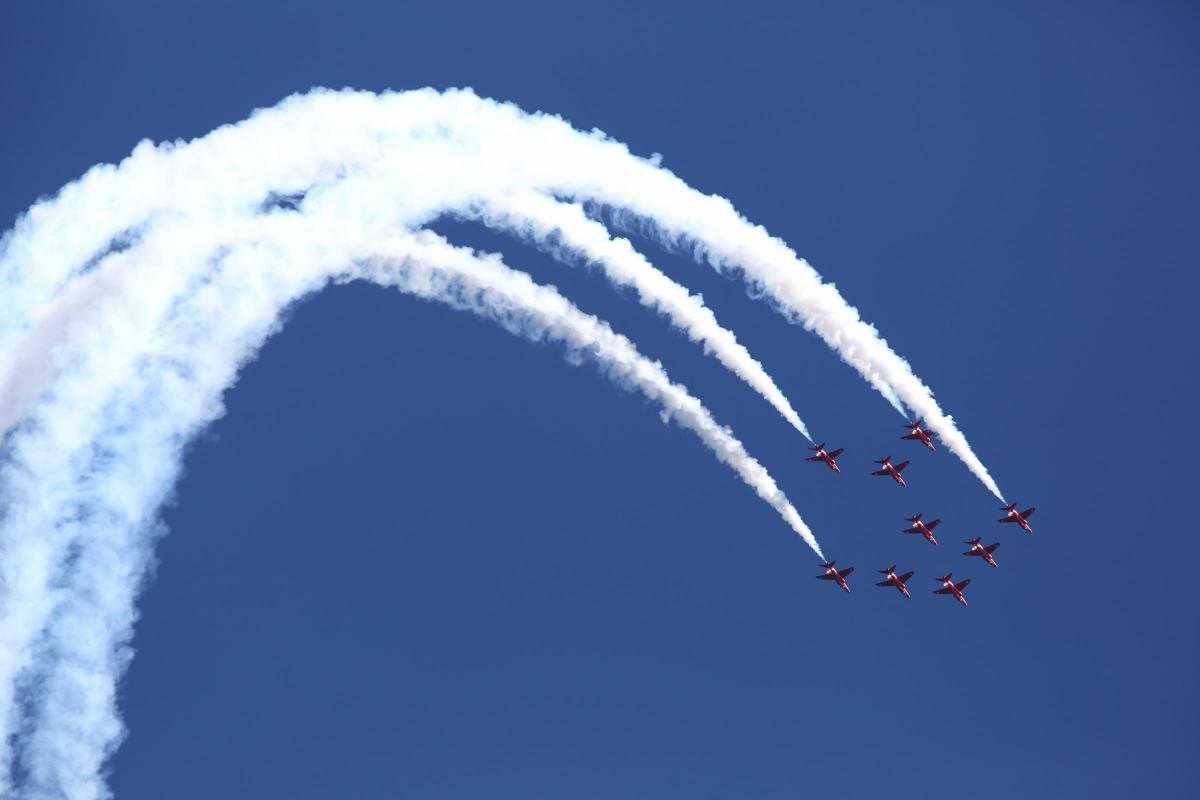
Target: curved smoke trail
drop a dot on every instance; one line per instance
(129, 302)
(566, 232)
(165, 327)
(460, 150)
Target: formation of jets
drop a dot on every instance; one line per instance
(917, 432)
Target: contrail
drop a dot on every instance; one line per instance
(566, 232)
(460, 150)
(110, 435)
(651, 199)
(730, 243)
(475, 284)
(559, 228)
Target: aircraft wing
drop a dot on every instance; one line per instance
(846, 571)
(884, 583)
(814, 458)
(836, 453)
(1027, 513)
(911, 530)
(911, 436)
(962, 584)
(825, 578)
(881, 472)
(942, 591)
(900, 467)
(991, 548)
(904, 578)
(1006, 519)
(934, 524)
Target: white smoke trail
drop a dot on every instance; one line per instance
(113, 432)
(478, 283)
(601, 170)
(120, 324)
(458, 149)
(215, 168)
(730, 243)
(565, 231)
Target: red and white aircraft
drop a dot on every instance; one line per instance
(832, 574)
(950, 587)
(891, 469)
(923, 528)
(978, 549)
(826, 456)
(1018, 517)
(895, 580)
(917, 432)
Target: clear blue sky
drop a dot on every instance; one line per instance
(419, 558)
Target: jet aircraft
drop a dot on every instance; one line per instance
(827, 456)
(895, 580)
(984, 552)
(923, 528)
(1018, 517)
(833, 574)
(917, 431)
(950, 587)
(891, 469)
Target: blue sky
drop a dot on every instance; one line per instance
(1010, 195)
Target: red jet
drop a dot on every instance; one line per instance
(827, 457)
(1018, 517)
(832, 574)
(950, 587)
(916, 432)
(895, 580)
(891, 469)
(977, 549)
(923, 528)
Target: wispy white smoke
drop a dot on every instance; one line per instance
(652, 199)
(486, 287)
(717, 233)
(168, 342)
(564, 230)
(459, 149)
(129, 303)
